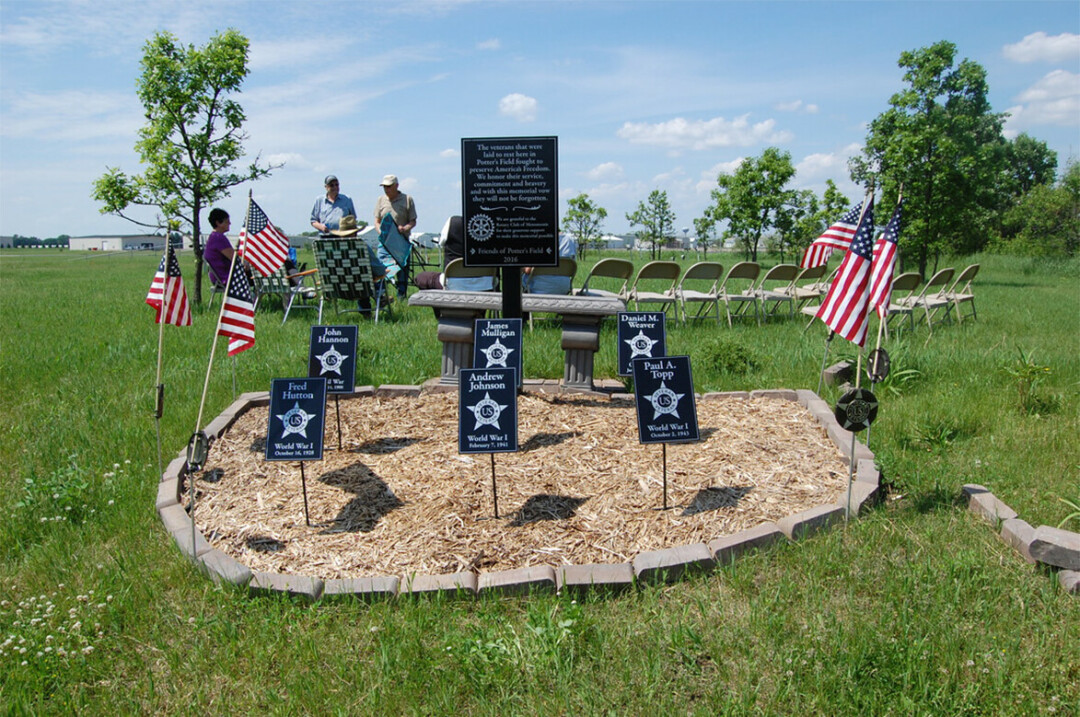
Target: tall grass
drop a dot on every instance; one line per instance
(918, 608)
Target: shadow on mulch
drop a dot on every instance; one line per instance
(385, 445)
(546, 507)
(373, 500)
(264, 544)
(716, 498)
(539, 440)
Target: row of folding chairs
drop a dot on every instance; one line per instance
(741, 289)
(942, 293)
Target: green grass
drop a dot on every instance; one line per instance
(918, 608)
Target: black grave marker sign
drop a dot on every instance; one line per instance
(510, 196)
(332, 355)
(294, 431)
(497, 344)
(642, 334)
(487, 410)
(664, 393)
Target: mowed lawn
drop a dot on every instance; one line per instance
(916, 608)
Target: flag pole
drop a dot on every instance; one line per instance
(159, 387)
(206, 381)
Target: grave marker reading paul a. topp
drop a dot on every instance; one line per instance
(664, 397)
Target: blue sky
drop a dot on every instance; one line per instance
(642, 95)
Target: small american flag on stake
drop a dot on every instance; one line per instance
(884, 263)
(845, 307)
(238, 312)
(167, 291)
(838, 236)
(261, 243)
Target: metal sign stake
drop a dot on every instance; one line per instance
(303, 485)
(337, 410)
(494, 491)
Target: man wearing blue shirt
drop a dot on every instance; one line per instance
(327, 213)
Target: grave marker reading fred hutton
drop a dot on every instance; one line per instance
(497, 344)
(510, 196)
(294, 431)
(642, 334)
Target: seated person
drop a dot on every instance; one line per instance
(218, 251)
(547, 283)
(452, 240)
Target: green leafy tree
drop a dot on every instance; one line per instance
(1029, 163)
(192, 138)
(583, 219)
(1045, 221)
(705, 231)
(751, 198)
(797, 221)
(940, 142)
(656, 219)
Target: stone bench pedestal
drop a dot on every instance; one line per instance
(458, 311)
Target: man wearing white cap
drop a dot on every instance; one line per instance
(401, 207)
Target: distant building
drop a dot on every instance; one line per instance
(7, 242)
(117, 243)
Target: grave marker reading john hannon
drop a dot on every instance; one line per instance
(510, 195)
(332, 355)
(642, 334)
(487, 410)
(497, 344)
(294, 430)
(664, 393)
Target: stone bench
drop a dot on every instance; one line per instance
(458, 311)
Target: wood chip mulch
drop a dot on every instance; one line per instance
(399, 499)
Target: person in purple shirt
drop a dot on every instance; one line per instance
(218, 251)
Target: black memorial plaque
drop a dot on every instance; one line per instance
(487, 410)
(294, 430)
(642, 334)
(332, 355)
(510, 196)
(664, 393)
(497, 344)
(856, 410)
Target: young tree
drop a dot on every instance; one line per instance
(940, 141)
(192, 137)
(583, 219)
(751, 198)
(797, 220)
(656, 220)
(1029, 163)
(705, 230)
(1046, 220)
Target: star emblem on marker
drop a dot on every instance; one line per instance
(664, 400)
(487, 412)
(331, 361)
(641, 345)
(497, 354)
(295, 420)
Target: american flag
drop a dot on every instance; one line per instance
(238, 312)
(261, 243)
(838, 236)
(884, 262)
(845, 307)
(167, 291)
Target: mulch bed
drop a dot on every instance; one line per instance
(399, 499)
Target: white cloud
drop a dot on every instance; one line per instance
(608, 171)
(825, 165)
(1053, 100)
(679, 133)
(449, 153)
(492, 44)
(292, 160)
(1040, 47)
(797, 106)
(519, 107)
(72, 115)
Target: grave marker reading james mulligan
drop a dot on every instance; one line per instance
(497, 344)
(510, 195)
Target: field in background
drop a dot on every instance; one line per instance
(916, 608)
